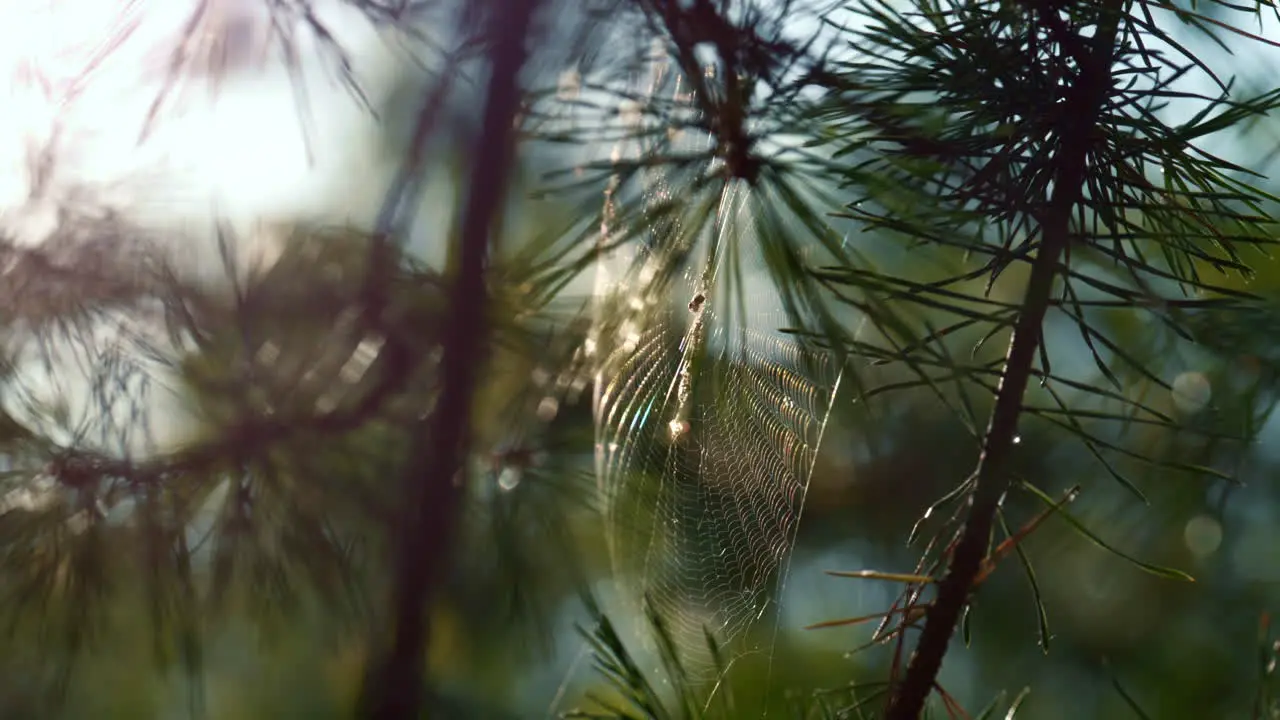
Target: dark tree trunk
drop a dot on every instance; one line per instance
(433, 486)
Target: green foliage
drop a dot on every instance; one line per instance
(1023, 148)
(1011, 310)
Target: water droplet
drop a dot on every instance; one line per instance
(678, 428)
(267, 354)
(1203, 535)
(508, 479)
(548, 408)
(1191, 392)
(630, 336)
(1017, 439)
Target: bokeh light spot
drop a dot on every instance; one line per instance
(1191, 392)
(1203, 535)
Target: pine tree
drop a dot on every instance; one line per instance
(340, 395)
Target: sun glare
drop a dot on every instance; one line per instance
(91, 110)
(239, 137)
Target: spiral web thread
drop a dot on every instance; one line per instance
(708, 423)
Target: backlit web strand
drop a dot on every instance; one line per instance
(708, 421)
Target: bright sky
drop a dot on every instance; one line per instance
(240, 147)
(74, 90)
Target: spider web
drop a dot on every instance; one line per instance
(709, 416)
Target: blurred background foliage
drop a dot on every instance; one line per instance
(511, 633)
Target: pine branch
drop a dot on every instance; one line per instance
(1093, 84)
(432, 491)
(744, 59)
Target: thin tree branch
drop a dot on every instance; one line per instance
(433, 489)
(1088, 96)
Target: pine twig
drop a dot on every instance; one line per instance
(1090, 92)
(394, 688)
